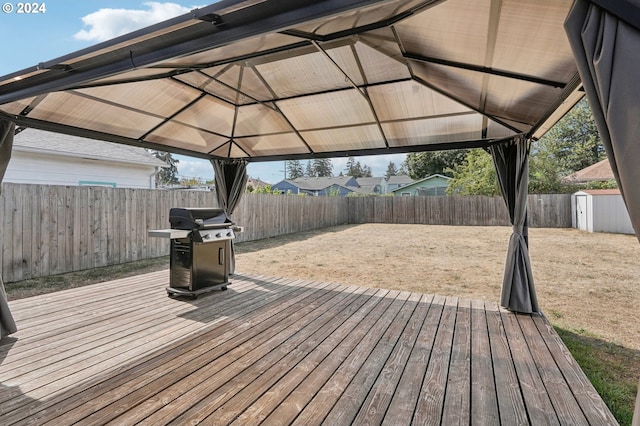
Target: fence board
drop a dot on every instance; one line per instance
(49, 230)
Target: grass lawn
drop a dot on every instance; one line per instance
(587, 284)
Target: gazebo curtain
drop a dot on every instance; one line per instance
(231, 181)
(511, 160)
(605, 39)
(7, 130)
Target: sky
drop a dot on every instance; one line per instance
(58, 27)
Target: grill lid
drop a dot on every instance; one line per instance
(198, 218)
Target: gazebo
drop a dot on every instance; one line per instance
(260, 80)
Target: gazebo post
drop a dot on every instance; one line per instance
(7, 131)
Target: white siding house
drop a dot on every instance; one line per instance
(46, 158)
(600, 210)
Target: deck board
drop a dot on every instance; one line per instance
(282, 351)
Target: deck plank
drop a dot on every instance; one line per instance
(561, 397)
(432, 395)
(404, 400)
(510, 402)
(279, 351)
(484, 403)
(457, 402)
(536, 398)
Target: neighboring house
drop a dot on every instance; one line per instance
(254, 184)
(600, 210)
(319, 186)
(598, 172)
(46, 158)
(373, 185)
(431, 185)
(395, 182)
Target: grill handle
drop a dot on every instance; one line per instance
(221, 256)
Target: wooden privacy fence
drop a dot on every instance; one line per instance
(545, 211)
(48, 230)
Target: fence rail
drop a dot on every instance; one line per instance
(48, 230)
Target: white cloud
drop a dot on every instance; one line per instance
(108, 23)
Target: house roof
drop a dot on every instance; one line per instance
(599, 171)
(320, 183)
(256, 183)
(400, 180)
(435, 176)
(601, 191)
(368, 184)
(312, 78)
(369, 181)
(50, 143)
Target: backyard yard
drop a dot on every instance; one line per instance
(587, 284)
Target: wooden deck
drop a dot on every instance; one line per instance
(282, 351)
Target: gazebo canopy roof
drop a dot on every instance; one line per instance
(274, 79)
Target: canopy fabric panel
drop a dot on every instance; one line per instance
(7, 130)
(605, 38)
(271, 79)
(511, 160)
(231, 181)
(606, 49)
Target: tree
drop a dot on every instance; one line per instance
(352, 168)
(321, 167)
(357, 170)
(294, 169)
(167, 175)
(391, 170)
(424, 164)
(309, 169)
(476, 175)
(573, 143)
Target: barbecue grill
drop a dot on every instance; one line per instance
(200, 250)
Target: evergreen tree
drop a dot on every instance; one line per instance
(322, 167)
(167, 175)
(309, 169)
(351, 168)
(356, 169)
(391, 170)
(294, 169)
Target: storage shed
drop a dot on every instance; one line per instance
(600, 210)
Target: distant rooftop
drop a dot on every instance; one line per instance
(39, 141)
(599, 171)
(400, 180)
(320, 183)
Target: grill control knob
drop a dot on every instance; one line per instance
(228, 234)
(206, 236)
(218, 235)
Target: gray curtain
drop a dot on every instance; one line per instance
(511, 160)
(7, 130)
(231, 181)
(605, 39)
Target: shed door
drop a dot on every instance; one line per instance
(581, 212)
